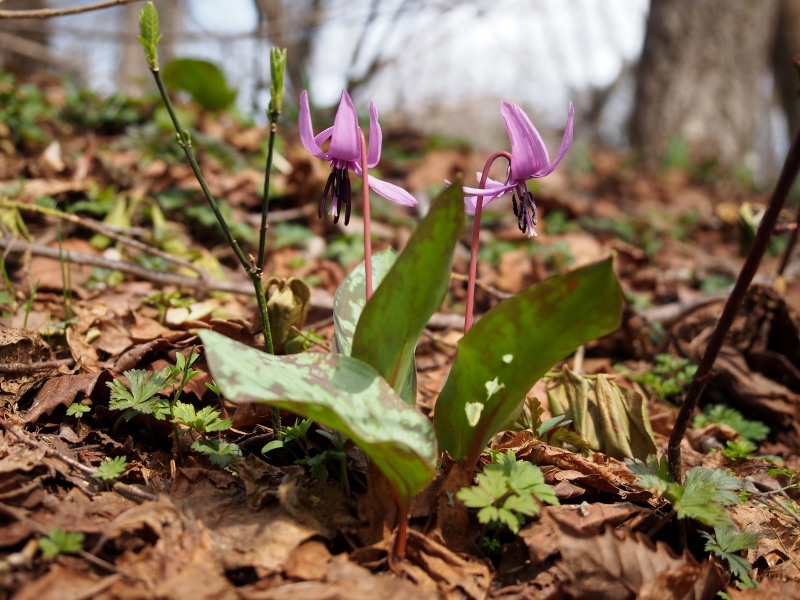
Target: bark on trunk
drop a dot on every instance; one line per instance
(703, 76)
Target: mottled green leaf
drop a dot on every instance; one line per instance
(337, 391)
(350, 298)
(514, 344)
(202, 80)
(413, 289)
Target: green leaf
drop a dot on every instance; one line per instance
(349, 299)
(204, 421)
(337, 391)
(514, 344)
(203, 80)
(393, 319)
(653, 475)
(753, 431)
(728, 542)
(77, 410)
(141, 396)
(150, 36)
(703, 495)
(59, 541)
(111, 468)
(219, 452)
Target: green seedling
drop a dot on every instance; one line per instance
(726, 543)
(141, 397)
(59, 541)
(111, 468)
(164, 301)
(77, 410)
(669, 377)
(294, 433)
(507, 491)
(752, 431)
(739, 449)
(703, 496)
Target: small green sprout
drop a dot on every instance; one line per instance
(669, 377)
(739, 449)
(506, 491)
(703, 496)
(141, 397)
(726, 543)
(111, 468)
(77, 410)
(59, 541)
(205, 420)
(219, 452)
(752, 431)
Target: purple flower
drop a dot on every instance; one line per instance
(344, 154)
(529, 160)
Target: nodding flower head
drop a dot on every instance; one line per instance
(344, 155)
(529, 160)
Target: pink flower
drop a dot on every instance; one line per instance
(344, 154)
(529, 160)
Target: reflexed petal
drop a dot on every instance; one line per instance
(375, 137)
(307, 129)
(323, 136)
(390, 191)
(528, 153)
(345, 143)
(471, 202)
(493, 188)
(566, 141)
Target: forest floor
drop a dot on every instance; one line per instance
(263, 527)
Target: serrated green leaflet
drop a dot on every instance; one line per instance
(334, 390)
(514, 344)
(349, 299)
(413, 289)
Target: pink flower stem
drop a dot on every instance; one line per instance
(365, 194)
(476, 232)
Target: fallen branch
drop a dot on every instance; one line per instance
(129, 491)
(319, 300)
(16, 367)
(102, 229)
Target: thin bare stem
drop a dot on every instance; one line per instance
(476, 233)
(249, 267)
(262, 239)
(44, 13)
(779, 195)
(365, 196)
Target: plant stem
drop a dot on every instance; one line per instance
(262, 239)
(252, 270)
(365, 196)
(791, 166)
(476, 233)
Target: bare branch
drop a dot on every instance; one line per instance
(45, 13)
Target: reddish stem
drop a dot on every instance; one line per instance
(476, 232)
(365, 195)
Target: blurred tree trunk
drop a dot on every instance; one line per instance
(784, 50)
(702, 77)
(291, 24)
(132, 73)
(25, 43)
